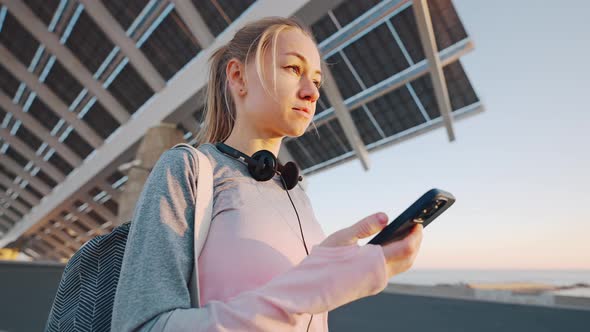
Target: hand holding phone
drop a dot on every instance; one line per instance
(427, 208)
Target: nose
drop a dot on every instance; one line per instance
(308, 90)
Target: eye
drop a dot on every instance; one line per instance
(296, 69)
(317, 84)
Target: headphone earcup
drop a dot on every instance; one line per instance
(265, 167)
(290, 173)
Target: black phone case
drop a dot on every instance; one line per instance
(432, 204)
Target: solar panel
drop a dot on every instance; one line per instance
(100, 120)
(44, 9)
(218, 14)
(88, 42)
(8, 83)
(381, 112)
(63, 84)
(18, 40)
(170, 47)
(130, 89)
(78, 145)
(125, 12)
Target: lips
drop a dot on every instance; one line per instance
(303, 111)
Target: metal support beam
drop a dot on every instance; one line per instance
(361, 26)
(66, 238)
(38, 242)
(6, 212)
(114, 193)
(194, 22)
(23, 193)
(344, 117)
(55, 243)
(17, 169)
(105, 213)
(5, 224)
(20, 207)
(26, 151)
(85, 219)
(37, 128)
(115, 32)
(439, 84)
(191, 124)
(37, 28)
(13, 65)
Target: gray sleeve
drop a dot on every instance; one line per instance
(158, 259)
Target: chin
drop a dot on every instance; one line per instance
(296, 132)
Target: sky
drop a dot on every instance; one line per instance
(519, 171)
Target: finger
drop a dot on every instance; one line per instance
(405, 247)
(368, 226)
(350, 235)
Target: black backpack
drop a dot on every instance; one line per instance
(84, 299)
(86, 292)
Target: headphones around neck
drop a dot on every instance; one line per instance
(263, 165)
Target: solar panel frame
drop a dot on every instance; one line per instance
(63, 84)
(41, 175)
(111, 205)
(211, 16)
(125, 12)
(364, 124)
(348, 11)
(386, 56)
(323, 28)
(170, 46)
(234, 8)
(23, 202)
(344, 78)
(89, 43)
(33, 191)
(61, 164)
(100, 120)
(130, 89)
(396, 111)
(461, 92)
(44, 115)
(15, 211)
(78, 145)
(44, 9)
(7, 172)
(28, 137)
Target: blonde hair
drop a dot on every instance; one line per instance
(250, 43)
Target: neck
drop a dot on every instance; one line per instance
(249, 142)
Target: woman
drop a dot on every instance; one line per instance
(255, 271)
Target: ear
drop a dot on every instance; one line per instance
(236, 76)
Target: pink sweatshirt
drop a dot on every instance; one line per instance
(254, 274)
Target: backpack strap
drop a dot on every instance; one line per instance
(203, 210)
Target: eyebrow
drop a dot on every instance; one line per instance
(302, 59)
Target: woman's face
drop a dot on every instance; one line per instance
(289, 109)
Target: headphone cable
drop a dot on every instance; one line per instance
(300, 228)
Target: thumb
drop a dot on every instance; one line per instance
(362, 229)
(368, 226)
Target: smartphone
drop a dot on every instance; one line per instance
(431, 205)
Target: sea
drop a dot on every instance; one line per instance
(561, 278)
